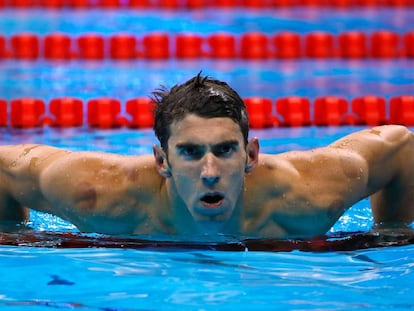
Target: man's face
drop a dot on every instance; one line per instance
(207, 161)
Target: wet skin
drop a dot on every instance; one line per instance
(210, 182)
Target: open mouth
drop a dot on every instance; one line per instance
(212, 200)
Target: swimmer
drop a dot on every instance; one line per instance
(206, 178)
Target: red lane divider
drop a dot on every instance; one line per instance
(2, 47)
(27, 112)
(294, 110)
(260, 112)
(287, 45)
(91, 46)
(123, 46)
(381, 44)
(402, 110)
(176, 4)
(25, 46)
(142, 112)
(353, 44)
(104, 112)
(3, 112)
(319, 45)
(67, 111)
(188, 46)
(57, 46)
(370, 110)
(331, 110)
(291, 111)
(156, 46)
(223, 45)
(254, 45)
(409, 44)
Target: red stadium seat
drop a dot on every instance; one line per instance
(287, 45)
(402, 110)
(27, 112)
(91, 46)
(104, 112)
(330, 110)
(353, 44)
(67, 111)
(156, 46)
(123, 46)
(294, 110)
(25, 46)
(141, 111)
(57, 46)
(369, 110)
(260, 113)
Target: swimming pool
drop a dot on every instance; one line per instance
(45, 277)
(39, 276)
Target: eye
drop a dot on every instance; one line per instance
(191, 152)
(225, 150)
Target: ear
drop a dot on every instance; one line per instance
(161, 162)
(252, 150)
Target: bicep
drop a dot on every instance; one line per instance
(315, 189)
(329, 176)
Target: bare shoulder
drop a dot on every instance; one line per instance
(304, 192)
(103, 192)
(104, 170)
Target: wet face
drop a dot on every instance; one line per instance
(205, 166)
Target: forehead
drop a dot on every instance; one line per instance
(200, 130)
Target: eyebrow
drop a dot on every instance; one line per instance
(233, 142)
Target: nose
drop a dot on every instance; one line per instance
(210, 173)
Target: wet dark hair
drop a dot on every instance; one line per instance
(202, 96)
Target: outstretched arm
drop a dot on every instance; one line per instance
(388, 152)
(310, 190)
(20, 170)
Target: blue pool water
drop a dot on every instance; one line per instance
(43, 278)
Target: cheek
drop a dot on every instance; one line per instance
(186, 180)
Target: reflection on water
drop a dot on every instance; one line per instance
(145, 280)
